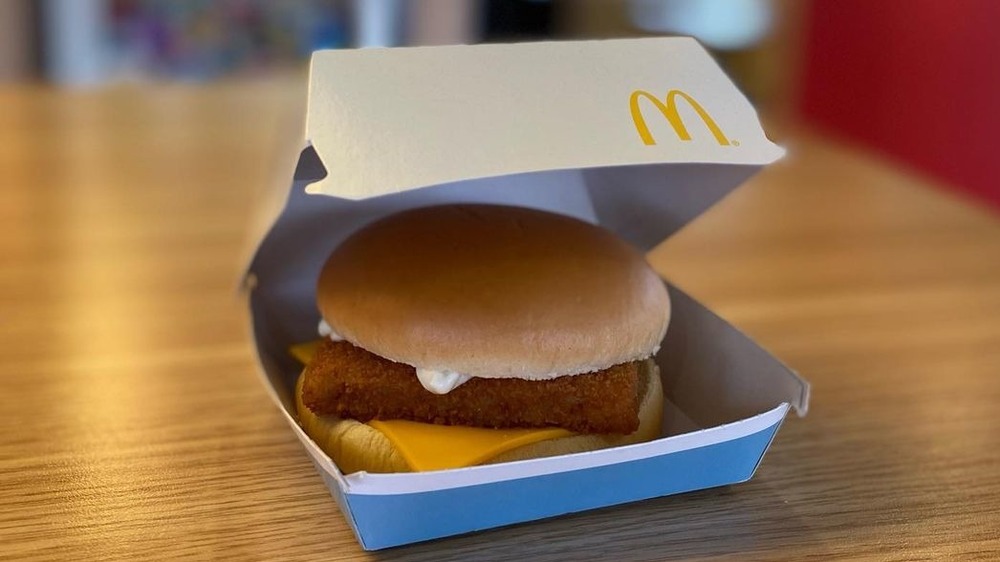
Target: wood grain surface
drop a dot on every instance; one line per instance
(134, 425)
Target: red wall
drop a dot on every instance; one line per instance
(918, 80)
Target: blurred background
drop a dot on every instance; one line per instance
(913, 80)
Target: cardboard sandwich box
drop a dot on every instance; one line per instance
(639, 136)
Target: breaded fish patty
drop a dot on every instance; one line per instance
(347, 381)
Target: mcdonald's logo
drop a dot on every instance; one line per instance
(668, 108)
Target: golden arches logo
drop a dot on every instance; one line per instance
(668, 108)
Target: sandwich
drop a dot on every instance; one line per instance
(466, 334)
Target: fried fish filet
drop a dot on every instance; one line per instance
(347, 381)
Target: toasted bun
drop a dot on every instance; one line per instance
(355, 446)
(494, 291)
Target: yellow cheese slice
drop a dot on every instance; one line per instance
(303, 352)
(427, 446)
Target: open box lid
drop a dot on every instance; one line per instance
(385, 121)
(410, 118)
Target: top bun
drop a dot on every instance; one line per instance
(494, 291)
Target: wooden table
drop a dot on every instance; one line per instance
(134, 425)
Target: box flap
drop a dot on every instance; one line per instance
(415, 117)
(718, 372)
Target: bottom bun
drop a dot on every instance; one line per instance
(355, 446)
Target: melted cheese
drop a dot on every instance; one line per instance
(427, 446)
(303, 352)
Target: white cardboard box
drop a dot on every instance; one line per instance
(640, 136)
